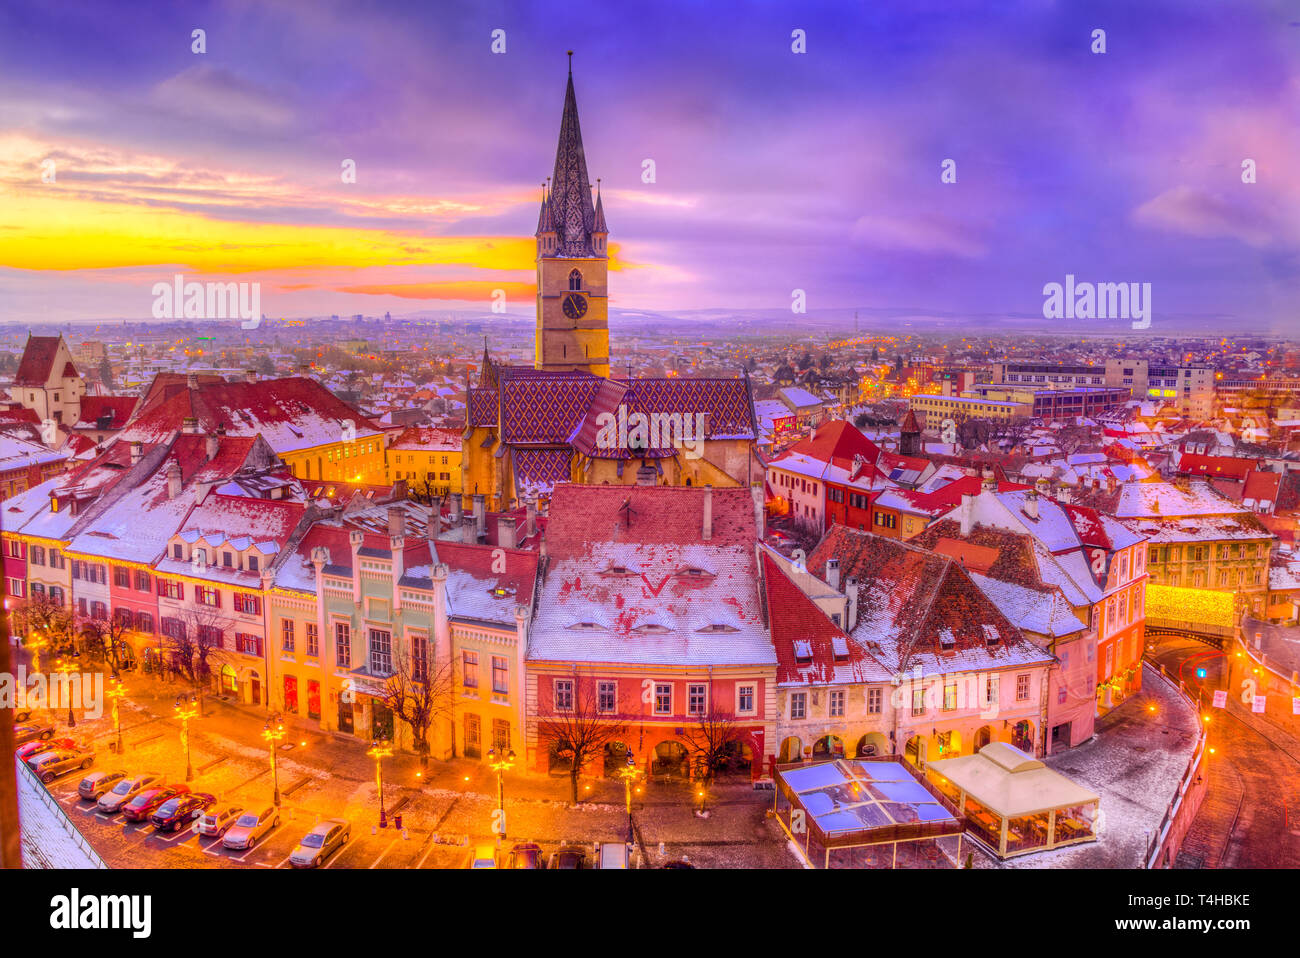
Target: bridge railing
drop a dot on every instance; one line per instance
(1151, 858)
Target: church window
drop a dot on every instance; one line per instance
(575, 280)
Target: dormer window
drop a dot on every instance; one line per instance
(252, 563)
(693, 572)
(178, 551)
(651, 628)
(840, 646)
(802, 651)
(946, 639)
(991, 634)
(586, 627)
(718, 627)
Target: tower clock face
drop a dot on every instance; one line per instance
(575, 305)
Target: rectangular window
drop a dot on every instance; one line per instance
(35, 555)
(1022, 688)
(500, 676)
(286, 635)
(745, 699)
(696, 696)
(141, 581)
(121, 577)
(798, 705)
(500, 735)
(144, 623)
(949, 696)
(607, 696)
(419, 658)
(343, 644)
(875, 701)
(918, 701)
(469, 669)
(564, 695)
(313, 640)
(211, 637)
(663, 698)
(837, 703)
(381, 652)
(248, 603)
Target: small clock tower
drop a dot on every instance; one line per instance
(572, 260)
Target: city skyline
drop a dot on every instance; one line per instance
(775, 171)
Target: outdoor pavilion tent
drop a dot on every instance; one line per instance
(1015, 804)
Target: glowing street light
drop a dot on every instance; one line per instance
(36, 642)
(273, 731)
(629, 773)
(379, 751)
(115, 692)
(501, 762)
(187, 706)
(67, 668)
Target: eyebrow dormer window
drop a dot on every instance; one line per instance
(718, 627)
(586, 627)
(652, 629)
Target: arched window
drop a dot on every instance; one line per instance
(575, 280)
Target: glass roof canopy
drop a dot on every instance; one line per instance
(855, 796)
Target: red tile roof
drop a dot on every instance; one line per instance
(1226, 467)
(582, 515)
(37, 363)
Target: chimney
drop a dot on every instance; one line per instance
(480, 515)
(137, 452)
(434, 529)
(967, 517)
(1042, 485)
(833, 574)
(457, 510)
(250, 375)
(468, 530)
(192, 381)
(396, 521)
(210, 446)
(173, 479)
(1031, 503)
(708, 513)
(530, 527)
(355, 538)
(989, 484)
(1110, 483)
(506, 532)
(851, 588)
(760, 512)
(190, 426)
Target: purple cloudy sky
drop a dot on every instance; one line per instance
(775, 171)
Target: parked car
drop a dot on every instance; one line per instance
(483, 856)
(50, 765)
(250, 827)
(325, 838)
(525, 855)
(216, 821)
(150, 800)
(613, 855)
(24, 752)
(181, 810)
(97, 783)
(569, 857)
(127, 789)
(32, 732)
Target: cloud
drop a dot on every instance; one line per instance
(915, 234)
(1195, 212)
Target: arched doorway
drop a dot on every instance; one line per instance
(615, 757)
(983, 737)
(828, 747)
(670, 759)
(791, 751)
(229, 680)
(1022, 736)
(873, 743)
(915, 751)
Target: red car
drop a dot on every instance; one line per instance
(24, 752)
(150, 800)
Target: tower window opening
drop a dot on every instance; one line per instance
(575, 280)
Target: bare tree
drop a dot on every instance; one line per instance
(105, 639)
(580, 733)
(419, 693)
(10, 847)
(38, 613)
(711, 742)
(197, 646)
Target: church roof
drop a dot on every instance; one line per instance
(571, 211)
(38, 362)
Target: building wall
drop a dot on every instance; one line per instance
(564, 343)
(360, 461)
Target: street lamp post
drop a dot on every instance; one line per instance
(115, 693)
(67, 668)
(629, 773)
(36, 642)
(273, 731)
(186, 709)
(379, 751)
(501, 761)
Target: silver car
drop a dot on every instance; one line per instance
(251, 827)
(219, 819)
(127, 789)
(97, 783)
(50, 765)
(325, 838)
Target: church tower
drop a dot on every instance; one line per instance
(572, 260)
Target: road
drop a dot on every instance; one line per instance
(1251, 814)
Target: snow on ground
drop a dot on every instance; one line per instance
(49, 840)
(1134, 763)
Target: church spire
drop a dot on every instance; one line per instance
(570, 198)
